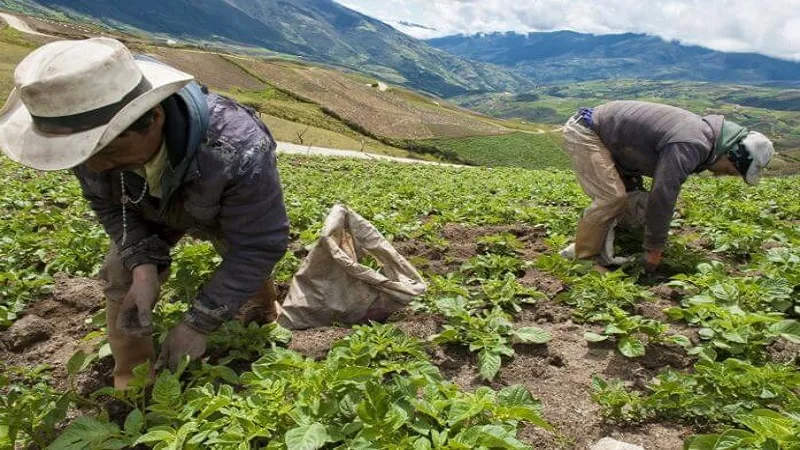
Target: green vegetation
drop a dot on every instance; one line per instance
(530, 150)
(769, 110)
(380, 385)
(733, 262)
(13, 49)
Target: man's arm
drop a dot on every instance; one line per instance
(676, 163)
(142, 245)
(255, 229)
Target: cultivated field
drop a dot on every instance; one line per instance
(512, 346)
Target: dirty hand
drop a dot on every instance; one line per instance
(181, 340)
(652, 259)
(136, 313)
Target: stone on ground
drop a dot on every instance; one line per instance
(613, 444)
(26, 332)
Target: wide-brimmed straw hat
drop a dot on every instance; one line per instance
(71, 98)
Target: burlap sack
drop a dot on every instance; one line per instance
(333, 287)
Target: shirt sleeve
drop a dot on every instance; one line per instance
(255, 230)
(676, 162)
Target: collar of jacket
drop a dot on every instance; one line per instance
(186, 123)
(715, 122)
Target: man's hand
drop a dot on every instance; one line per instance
(181, 340)
(652, 259)
(136, 313)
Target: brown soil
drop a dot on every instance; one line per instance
(462, 245)
(67, 310)
(386, 113)
(210, 69)
(559, 374)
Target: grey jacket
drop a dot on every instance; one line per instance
(221, 184)
(658, 141)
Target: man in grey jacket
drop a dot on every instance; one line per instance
(613, 145)
(158, 157)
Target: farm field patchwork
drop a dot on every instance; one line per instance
(511, 347)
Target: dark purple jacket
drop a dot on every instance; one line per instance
(221, 184)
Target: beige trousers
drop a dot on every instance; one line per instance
(130, 351)
(599, 179)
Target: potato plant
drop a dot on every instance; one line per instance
(733, 261)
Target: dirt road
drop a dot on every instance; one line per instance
(286, 147)
(19, 25)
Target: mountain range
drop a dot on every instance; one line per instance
(326, 32)
(567, 56)
(318, 30)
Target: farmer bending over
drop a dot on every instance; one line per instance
(613, 145)
(157, 157)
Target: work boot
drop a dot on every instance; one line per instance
(261, 308)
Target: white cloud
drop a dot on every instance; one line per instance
(771, 27)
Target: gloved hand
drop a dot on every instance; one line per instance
(181, 340)
(136, 312)
(652, 259)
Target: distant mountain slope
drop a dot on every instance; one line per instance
(319, 30)
(566, 56)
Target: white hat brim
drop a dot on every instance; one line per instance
(22, 142)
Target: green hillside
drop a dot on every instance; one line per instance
(316, 30)
(519, 149)
(769, 110)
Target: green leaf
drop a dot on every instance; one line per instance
(516, 395)
(446, 336)
(489, 436)
(729, 440)
(85, 433)
(594, 337)
(788, 329)
(613, 329)
(631, 347)
(488, 364)
(134, 422)
(79, 362)
(705, 352)
(735, 336)
(156, 435)
(422, 444)
(167, 390)
(532, 335)
(679, 339)
(307, 437)
(768, 423)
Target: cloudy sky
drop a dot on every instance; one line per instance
(771, 27)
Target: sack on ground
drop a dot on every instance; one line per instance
(333, 287)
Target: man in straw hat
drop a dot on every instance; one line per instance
(613, 145)
(157, 157)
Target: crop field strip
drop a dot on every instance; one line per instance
(732, 271)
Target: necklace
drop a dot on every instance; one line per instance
(125, 200)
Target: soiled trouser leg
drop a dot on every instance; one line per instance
(128, 351)
(599, 179)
